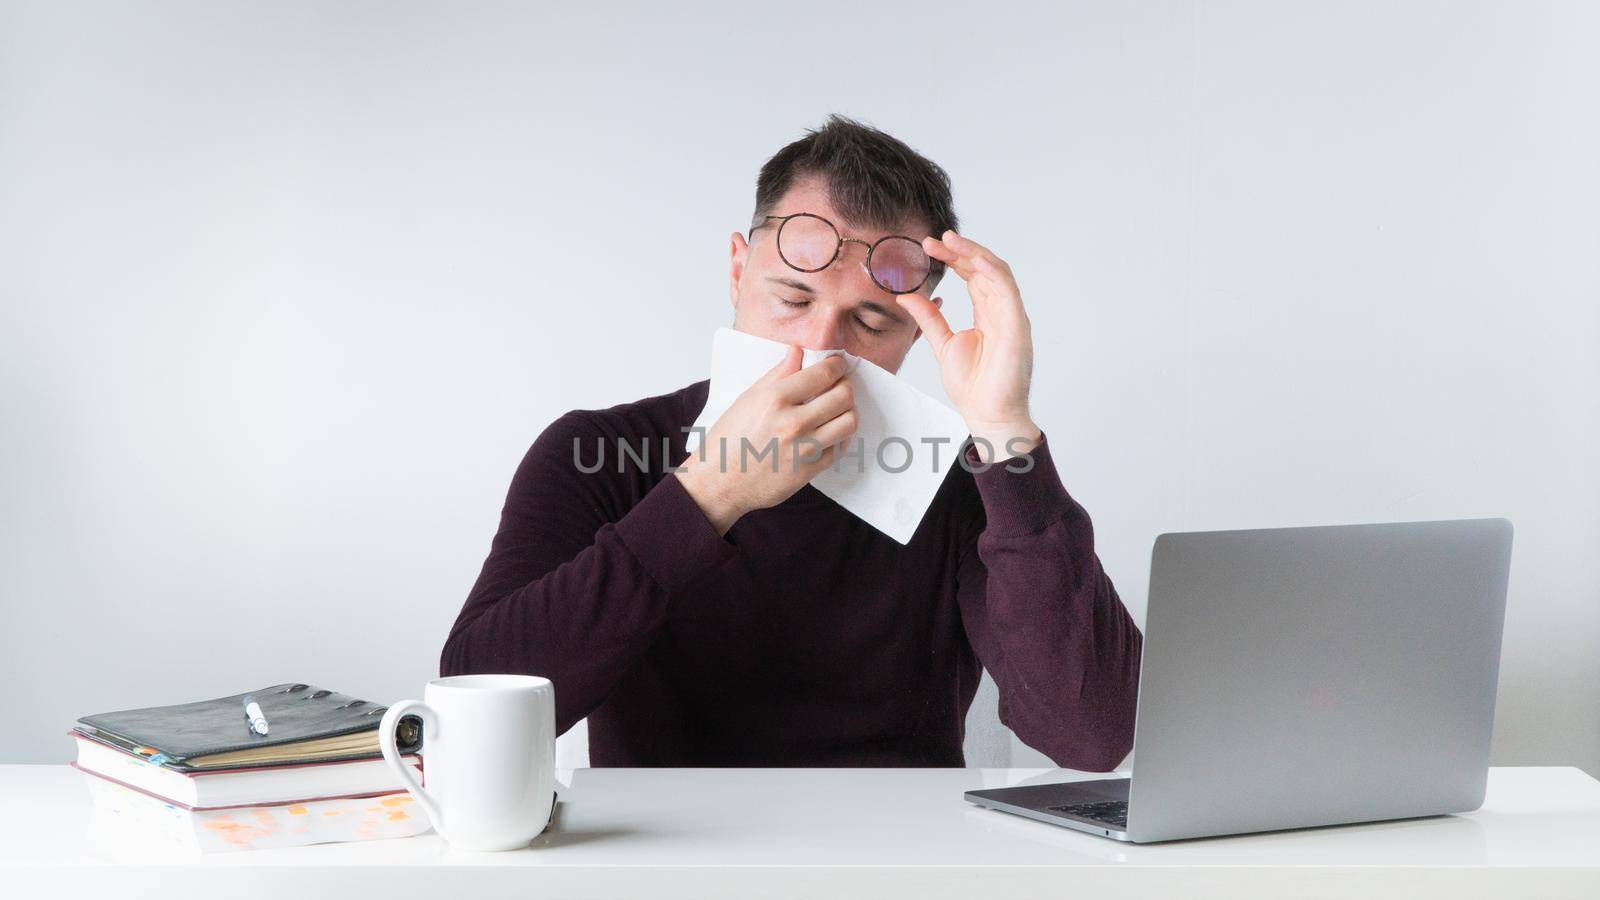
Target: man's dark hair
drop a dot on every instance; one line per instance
(873, 179)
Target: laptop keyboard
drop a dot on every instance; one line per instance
(1108, 812)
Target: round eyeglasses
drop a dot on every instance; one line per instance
(809, 243)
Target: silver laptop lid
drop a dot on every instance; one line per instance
(1315, 676)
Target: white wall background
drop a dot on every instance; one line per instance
(287, 289)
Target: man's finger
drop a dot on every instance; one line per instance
(970, 248)
(789, 365)
(838, 429)
(995, 298)
(798, 387)
(836, 399)
(929, 319)
(943, 252)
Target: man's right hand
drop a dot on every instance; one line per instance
(803, 414)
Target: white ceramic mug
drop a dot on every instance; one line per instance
(488, 757)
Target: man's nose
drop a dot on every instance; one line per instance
(825, 333)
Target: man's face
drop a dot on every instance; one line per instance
(838, 308)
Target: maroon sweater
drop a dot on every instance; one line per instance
(804, 637)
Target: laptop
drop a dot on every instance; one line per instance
(1301, 677)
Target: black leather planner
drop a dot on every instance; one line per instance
(305, 723)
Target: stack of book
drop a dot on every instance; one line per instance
(281, 766)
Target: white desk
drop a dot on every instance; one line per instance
(835, 833)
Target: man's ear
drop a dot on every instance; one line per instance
(739, 253)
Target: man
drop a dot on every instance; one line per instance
(731, 614)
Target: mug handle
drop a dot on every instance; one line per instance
(391, 754)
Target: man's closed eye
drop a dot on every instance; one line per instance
(860, 322)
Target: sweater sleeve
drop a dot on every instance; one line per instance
(577, 585)
(1044, 619)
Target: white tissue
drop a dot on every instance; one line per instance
(894, 418)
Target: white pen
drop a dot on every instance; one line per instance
(252, 712)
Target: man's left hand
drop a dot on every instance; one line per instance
(986, 369)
